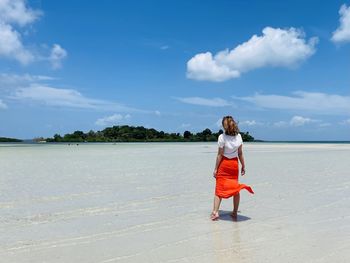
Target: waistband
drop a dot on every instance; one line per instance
(226, 158)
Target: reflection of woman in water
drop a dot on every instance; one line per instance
(227, 167)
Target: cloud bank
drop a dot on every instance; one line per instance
(2, 105)
(39, 89)
(275, 47)
(315, 102)
(214, 102)
(112, 120)
(342, 33)
(14, 15)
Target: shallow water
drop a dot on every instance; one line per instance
(150, 202)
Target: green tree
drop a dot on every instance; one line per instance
(57, 137)
(187, 134)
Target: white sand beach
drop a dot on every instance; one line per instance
(151, 202)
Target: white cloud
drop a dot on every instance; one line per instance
(204, 67)
(276, 47)
(55, 97)
(250, 123)
(70, 98)
(280, 124)
(214, 102)
(296, 121)
(13, 81)
(56, 56)
(315, 102)
(111, 120)
(342, 33)
(345, 122)
(2, 105)
(185, 125)
(299, 121)
(37, 89)
(14, 13)
(11, 45)
(157, 112)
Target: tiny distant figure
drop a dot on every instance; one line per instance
(227, 167)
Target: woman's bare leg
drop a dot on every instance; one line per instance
(215, 213)
(217, 202)
(236, 199)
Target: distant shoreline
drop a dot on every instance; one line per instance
(150, 142)
(302, 141)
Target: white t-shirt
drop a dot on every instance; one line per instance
(230, 144)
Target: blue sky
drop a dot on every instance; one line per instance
(280, 68)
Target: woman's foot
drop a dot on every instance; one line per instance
(214, 215)
(234, 215)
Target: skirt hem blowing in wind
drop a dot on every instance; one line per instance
(227, 184)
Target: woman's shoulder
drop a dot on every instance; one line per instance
(235, 137)
(240, 139)
(224, 135)
(229, 136)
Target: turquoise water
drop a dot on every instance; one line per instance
(58, 202)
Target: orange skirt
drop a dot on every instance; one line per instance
(227, 179)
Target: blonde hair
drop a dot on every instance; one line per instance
(232, 127)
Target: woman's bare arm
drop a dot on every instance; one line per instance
(241, 159)
(218, 160)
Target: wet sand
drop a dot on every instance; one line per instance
(151, 202)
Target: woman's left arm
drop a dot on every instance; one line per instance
(218, 160)
(241, 159)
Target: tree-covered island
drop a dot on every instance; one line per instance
(125, 133)
(5, 139)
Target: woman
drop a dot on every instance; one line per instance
(226, 167)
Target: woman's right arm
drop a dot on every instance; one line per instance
(241, 159)
(218, 160)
